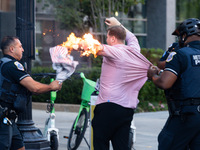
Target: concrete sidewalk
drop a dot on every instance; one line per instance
(148, 125)
(58, 107)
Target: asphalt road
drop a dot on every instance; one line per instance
(148, 126)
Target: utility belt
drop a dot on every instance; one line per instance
(19, 101)
(7, 115)
(175, 106)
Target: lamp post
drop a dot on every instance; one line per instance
(25, 30)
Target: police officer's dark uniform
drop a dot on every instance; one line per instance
(12, 98)
(183, 125)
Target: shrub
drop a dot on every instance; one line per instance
(153, 55)
(71, 88)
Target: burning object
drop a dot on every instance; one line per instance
(63, 62)
(86, 45)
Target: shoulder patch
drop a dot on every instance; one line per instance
(170, 57)
(19, 65)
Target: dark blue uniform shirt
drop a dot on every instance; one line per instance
(14, 70)
(185, 64)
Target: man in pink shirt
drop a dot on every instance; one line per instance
(124, 72)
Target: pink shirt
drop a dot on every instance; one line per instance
(124, 72)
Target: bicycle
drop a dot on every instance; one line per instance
(82, 120)
(50, 131)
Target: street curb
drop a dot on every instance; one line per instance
(58, 107)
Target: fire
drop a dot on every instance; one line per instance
(86, 45)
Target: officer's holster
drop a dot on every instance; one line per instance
(5, 112)
(173, 108)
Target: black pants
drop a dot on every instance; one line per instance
(10, 137)
(182, 131)
(111, 122)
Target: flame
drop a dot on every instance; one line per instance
(86, 45)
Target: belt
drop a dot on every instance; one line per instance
(174, 106)
(188, 102)
(7, 98)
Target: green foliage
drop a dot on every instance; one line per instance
(69, 13)
(71, 91)
(187, 9)
(150, 91)
(42, 70)
(96, 62)
(153, 55)
(151, 98)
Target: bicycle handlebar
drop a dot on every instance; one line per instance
(52, 75)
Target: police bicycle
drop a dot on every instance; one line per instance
(82, 121)
(50, 131)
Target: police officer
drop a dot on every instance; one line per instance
(14, 85)
(182, 74)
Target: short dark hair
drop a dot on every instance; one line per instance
(7, 41)
(118, 31)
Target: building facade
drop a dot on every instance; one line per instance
(152, 23)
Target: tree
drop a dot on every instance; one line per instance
(84, 15)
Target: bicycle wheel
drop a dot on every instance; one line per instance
(76, 135)
(53, 141)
